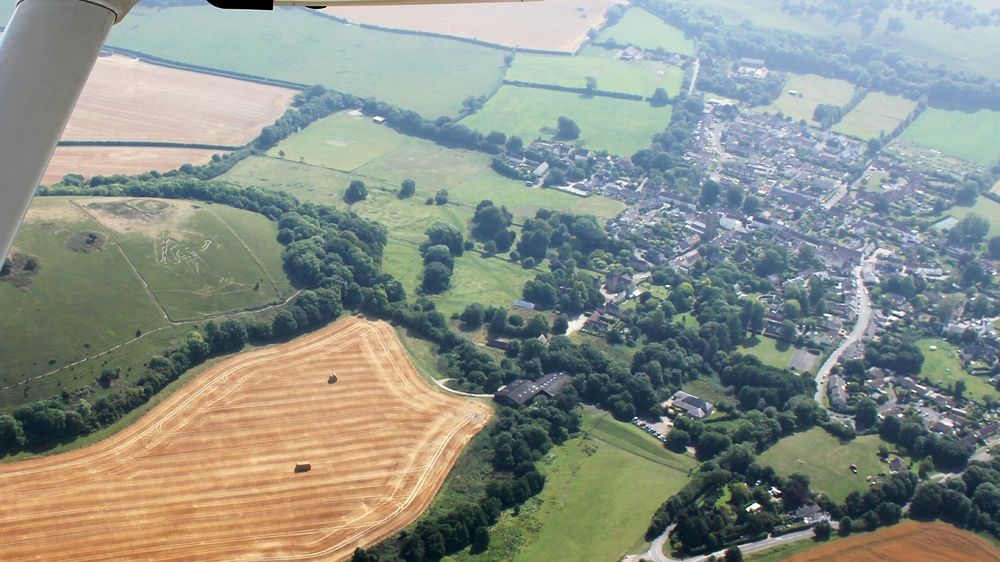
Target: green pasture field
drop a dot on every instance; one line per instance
(985, 207)
(524, 201)
(633, 439)
(876, 113)
(431, 76)
(815, 90)
(431, 165)
(492, 281)
(619, 126)
(77, 306)
(943, 366)
(975, 49)
(194, 265)
(971, 136)
(597, 502)
(639, 27)
(341, 141)
(769, 350)
(641, 77)
(827, 461)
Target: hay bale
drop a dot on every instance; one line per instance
(302, 467)
(332, 379)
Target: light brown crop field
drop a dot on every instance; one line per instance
(211, 473)
(926, 542)
(90, 161)
(555, 25)
(129, 100)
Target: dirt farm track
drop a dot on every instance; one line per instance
(210, 473)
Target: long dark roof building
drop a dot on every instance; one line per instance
(521, 391)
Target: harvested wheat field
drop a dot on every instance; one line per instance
(90, 161)
(554, 25)
(923, 542)
(129, 100)
(218, 471)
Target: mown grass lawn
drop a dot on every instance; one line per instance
(431, 76)
(642, 28)
(827, 461)
(641, 77)
(943, 366)
(769, 350)
(968, 135)
(984, 207)
(619, 126)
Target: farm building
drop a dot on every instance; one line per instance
(520, 392)
(897, 465)
(692, 405)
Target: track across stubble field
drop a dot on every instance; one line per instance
(209, 474)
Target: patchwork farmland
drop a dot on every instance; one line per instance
(554, 25)
(379, 443)
(90, 161)
(129, 100)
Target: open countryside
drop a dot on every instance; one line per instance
(553, 25)
(876, 114)
(617, 126)
(126, 99)
(428, 75)
(968, 135)
(90, 161)
(639, 27)
(379, 443)
(635, 77)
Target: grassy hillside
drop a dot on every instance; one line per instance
(431, 76)
(618, 126)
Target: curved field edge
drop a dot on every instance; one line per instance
(270, 524)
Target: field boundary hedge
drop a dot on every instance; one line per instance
(584, 91)
(151, 59)
(153, 144)
(434, 35)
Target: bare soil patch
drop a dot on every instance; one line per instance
(90, 161)
(19, 269)
(554, 25)
(126, 99)
(926, 542)
(87, 241)
(210, 473)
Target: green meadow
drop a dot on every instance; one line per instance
(617, 126)
(984, 207)
(640, 77)
(341, 141)
(827, 461)
(428, 75)
(876, 113)
(943, 366)
(639, 27)
(814, 90)
(769, 350)
(972, 136)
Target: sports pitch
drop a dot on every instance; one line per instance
(212, 469)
